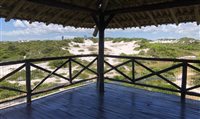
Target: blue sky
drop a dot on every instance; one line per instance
(22, 30)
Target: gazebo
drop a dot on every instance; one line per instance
(100, 15)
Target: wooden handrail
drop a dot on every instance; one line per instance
(28, 63)
(44, 59)
(184, 63)
(154, 59)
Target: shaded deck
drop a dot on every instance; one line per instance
(118, 102)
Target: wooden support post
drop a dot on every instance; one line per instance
(184, 82)
(100, 63)
(133, 70)
(70, 70)
(28, 82)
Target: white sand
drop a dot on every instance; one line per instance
(117, 48)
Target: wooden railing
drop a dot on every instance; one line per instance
(28, 64)
(30, 90)
(175, 63)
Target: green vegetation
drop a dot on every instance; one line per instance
(21, 75)
(39, 49)
(78, 40)
(115, 40)
(6, 93)
(184, 47)
(57, 63)
(32, 49)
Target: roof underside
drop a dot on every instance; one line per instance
(78, 13)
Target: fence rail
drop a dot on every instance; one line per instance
(180, 63)
(31, 91)
(29, 63)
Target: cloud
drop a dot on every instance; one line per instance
(182, 30)
(19, 23)
(25, 29)
(36, 28)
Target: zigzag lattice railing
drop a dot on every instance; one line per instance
(180, 63)
(28, 64)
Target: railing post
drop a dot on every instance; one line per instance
(70, 70)
(28, 82)
(184, 81)
(133, 70)
(97, 84)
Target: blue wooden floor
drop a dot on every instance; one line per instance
(118, 102)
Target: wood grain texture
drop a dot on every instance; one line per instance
(128, 13)
(118, 102)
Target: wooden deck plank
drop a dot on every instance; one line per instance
(118, 102)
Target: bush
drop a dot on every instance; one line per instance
(7, 94)
(56, 63)
(78, 40)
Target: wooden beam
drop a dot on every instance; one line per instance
(96, 20)
(67, 6)
(153, 7)
(15, 10)
(56, 16)
(173, 14)
(197, 15)
(96, 30)
(103, 8)
(152, 18)
(107, 21)
(100, 61)
(104, 5)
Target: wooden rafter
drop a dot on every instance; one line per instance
(71, 19)
(153, 7)
(197, 15)
(152, 18)
(75, 16)
(108, 20)
(67, 6)
(15, 10)
(89, 4)
(118, 23)
(55, 17)
(173, 14)
(134, 20)
(44, 9)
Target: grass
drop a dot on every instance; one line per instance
(21, 75)
(39, 49)
(6, 93)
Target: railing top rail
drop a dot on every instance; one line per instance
(154, 59)
(45, 59)
(95, 55)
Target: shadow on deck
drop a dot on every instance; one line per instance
(118, 102)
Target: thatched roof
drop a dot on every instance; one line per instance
(78, 13)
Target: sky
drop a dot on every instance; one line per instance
(16, 30)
